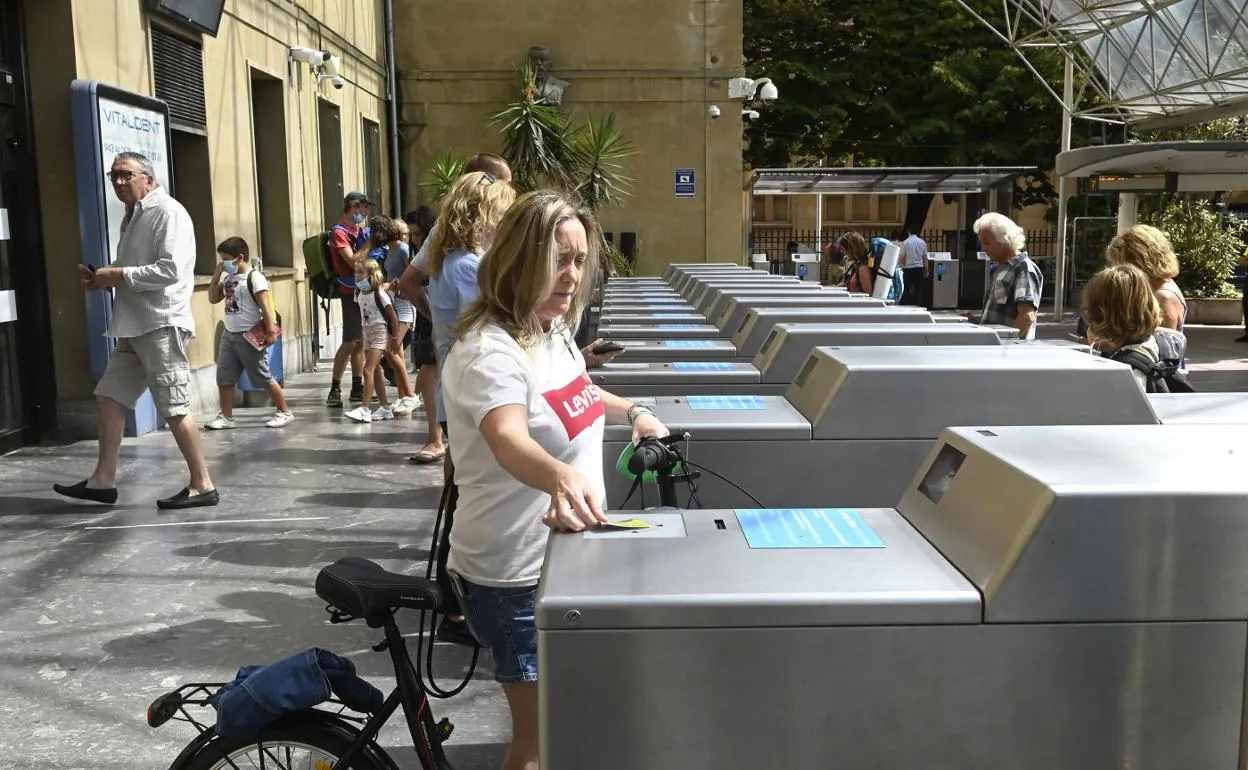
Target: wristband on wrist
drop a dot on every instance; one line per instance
(635, 411)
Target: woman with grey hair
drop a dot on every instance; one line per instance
(1016, 283)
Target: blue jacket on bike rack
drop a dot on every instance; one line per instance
(260, 694)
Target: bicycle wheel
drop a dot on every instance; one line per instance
(285, 747)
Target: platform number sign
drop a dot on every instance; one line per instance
(686, 183)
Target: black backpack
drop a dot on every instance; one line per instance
(1163, 376)
(251, 289)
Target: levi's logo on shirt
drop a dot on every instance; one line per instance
(577, 404)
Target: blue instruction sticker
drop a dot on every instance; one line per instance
(681, 308)
(702, 366)
(672, 315)
(689, 343)
(680, 326)
(730, 403)
(807, 528)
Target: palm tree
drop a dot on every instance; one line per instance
(439, 177)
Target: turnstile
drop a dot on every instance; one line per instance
(856, 421)
(749, 337)
(1040, 598)
(777, 362)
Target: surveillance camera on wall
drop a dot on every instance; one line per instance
(768, 93)
(713, 111)
(339, 81)
(332, 67)
(748, 90)
(750, 114)
(309, 55)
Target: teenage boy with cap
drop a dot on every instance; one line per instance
(348, 244)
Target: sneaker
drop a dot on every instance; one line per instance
(360, 414)
(357, 394)
(1242, 339)
(383, 413)
(405, 405)
(334, 400)
(280, 419)
(221, 423)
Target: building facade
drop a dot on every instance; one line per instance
(658, 65)
(261, 148)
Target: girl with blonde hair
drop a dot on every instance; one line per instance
(1125, 322)
(1148, 248)
(527, 427)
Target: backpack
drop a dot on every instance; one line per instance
(377, 299)
(320, 264)
(277, 317)
(878, 245)
(1163, 376)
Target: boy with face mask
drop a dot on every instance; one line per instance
(245, 293)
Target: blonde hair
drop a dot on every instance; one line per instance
(1147, 248)
(855, 246)
(470, 211)
(521, 268)
(1119, 305)
(373, 270)
(1004, 229)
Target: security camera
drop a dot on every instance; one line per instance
(339, 81)
(308, 55)
(332, 67)
(750, 114)
(713, 111)
(768, 93)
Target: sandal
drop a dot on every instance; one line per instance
(425, 457)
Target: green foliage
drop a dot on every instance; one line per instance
(1233, 129)
(442, 174)
(1208, 247)
(598, 149)
(900, 83)
(617, 263)
(546, 149)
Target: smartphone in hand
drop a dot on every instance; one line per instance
(607, 347)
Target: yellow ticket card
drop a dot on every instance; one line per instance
(628, 524)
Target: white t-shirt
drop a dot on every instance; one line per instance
(916, 251)
(371, 313)
(241, 310)
(499, 538)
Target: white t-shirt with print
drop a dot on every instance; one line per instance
(372, 313)
(241, 310)
(499, 538)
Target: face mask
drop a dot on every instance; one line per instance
(230, 267)
(364, 285)
(359, 219)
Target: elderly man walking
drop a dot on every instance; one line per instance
(154, 276)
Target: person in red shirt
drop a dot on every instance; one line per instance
(348, 246)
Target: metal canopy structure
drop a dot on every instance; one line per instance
(1154, 63)
(882, 181)
(1186, 166)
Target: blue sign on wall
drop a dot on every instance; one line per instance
(686, 183)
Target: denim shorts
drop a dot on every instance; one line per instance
(502, 619)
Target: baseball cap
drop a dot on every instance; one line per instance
(354, 197)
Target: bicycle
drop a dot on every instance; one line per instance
(327, 737)
(664, 458)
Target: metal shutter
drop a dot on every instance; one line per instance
(178, 67)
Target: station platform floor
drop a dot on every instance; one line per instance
(102, 610)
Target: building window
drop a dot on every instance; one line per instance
(860, 208)
(834, 208)
(178, 79)
(372, 161)
(779, 208)
(758, 208)
(273, 209)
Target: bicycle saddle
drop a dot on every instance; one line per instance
(361, 588)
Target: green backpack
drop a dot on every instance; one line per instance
(320, 265)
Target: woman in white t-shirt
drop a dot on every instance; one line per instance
(527, 425)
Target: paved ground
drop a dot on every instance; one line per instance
(101, 611)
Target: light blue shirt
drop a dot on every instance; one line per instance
(451, 291)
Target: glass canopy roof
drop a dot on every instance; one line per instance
(1164, 62)
(881, 181)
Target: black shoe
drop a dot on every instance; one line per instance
(1243, 338)
(185, 499)
(334, 400)
(456, 633)
(80, 491)
(357, 395)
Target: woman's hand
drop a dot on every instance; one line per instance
(595, 360)
(648, 426)
(574, 503)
